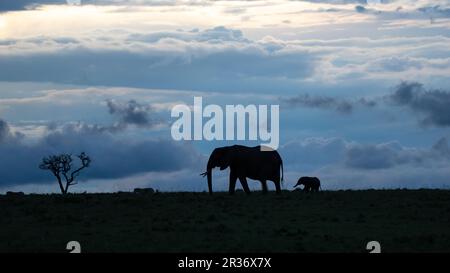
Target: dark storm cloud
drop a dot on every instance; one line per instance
(329, 103)
(441, 147)
(373, 156)
(4, 130)
(6, 135)
(436, 10)
(433, 106)
(342, 164)
(360, 9)
(130, 113)
(112, 156)
(388, 155)
(133, 113)
(336, 151)
(322, 102)
(367, 102)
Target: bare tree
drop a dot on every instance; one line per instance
(62, 168)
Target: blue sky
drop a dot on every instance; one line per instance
(363, 88)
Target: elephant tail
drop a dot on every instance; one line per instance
(282, 171)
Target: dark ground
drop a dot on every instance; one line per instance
(330, 221)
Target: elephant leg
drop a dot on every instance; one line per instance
(244, 184)
(232, 186)
(277, 186)
(264, 186)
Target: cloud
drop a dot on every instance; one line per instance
(214, 59)
(133, 113)
(342, 106)
(342, 164)
(388, 155)
(360, 9)
(435, 11)
(127, 163)
(312, 153)
(12, 5)
(322, 102)
(224, 59)
(113, 155)
(441, 147)
(16, 5)
(431, 105)
(336, 2)
(214, 35)
(397, 64)
(6, 135)
(319, 152)
(4, 130)
(126, 114)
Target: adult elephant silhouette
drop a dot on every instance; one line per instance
(246, 162)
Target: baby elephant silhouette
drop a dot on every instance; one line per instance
(309, 183)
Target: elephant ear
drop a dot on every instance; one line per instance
(226, 158)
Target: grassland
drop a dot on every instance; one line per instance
(330, 221)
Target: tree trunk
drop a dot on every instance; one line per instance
(68, 181)
(60, 184)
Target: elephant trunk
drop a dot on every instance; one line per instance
(209, 181)
(209, 176)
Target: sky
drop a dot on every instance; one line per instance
(363, 89)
